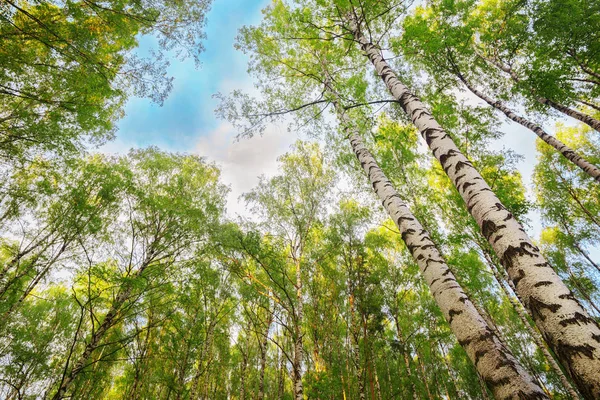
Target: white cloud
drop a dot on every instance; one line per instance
(244, 160)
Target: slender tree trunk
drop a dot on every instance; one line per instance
(592, 105)
(405, 352)
(578, 115)
(502, 372)
(563, 149)
(139, 365)
(298, 347)
(204, 354)
(449, 369)
(572, 334)
(243, 376)
(578, 247)
(424, 377)
(109, 320)
(535, 335)
(263, 357)
(586, 119)
(40, 275)
(281, 377)
(377, 385)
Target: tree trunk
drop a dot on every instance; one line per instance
(502, 372)
(263, 357)
(107, 323)
(377, 385)
(204, 354)
(572, 334)
(449, 369)
(563, 149)
(297, 367)
(592, 105)
(586, 119)
(281, 377)
(405, 352)
(243, 376)
(535, 335)
(424, 376)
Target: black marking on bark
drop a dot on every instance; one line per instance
(406, 233)
(517, 279)
(400, 219)
(467, 185)
(543, 283)
(498, 238)
(512, 253)
(509, 216)
(448, 280)
(459, 165)
(500, 207)
(488, 228)
(479, 354)
(537, 307)
(568, 351)
(446, 272)
(569, 296)
(444, 157)
(459, 178)
(453, 313)
(577, 319)
(428, 135)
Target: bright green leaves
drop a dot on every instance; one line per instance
(67, 69)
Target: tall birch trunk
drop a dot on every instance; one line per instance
(281, 376)
(535, 335)
(566, 326)
(563, 149)
(502, 372)
(586, 119)
(264, 345)
(297, 367)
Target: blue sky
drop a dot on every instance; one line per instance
(187, 123)
(188, 111)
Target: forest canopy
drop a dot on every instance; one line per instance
(400, 249)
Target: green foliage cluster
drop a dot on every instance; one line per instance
(121, 277)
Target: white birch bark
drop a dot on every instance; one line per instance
(501, 371)
(298, 347)
(562, 148)
(535, 335)
(586, 119)
(565, 325)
